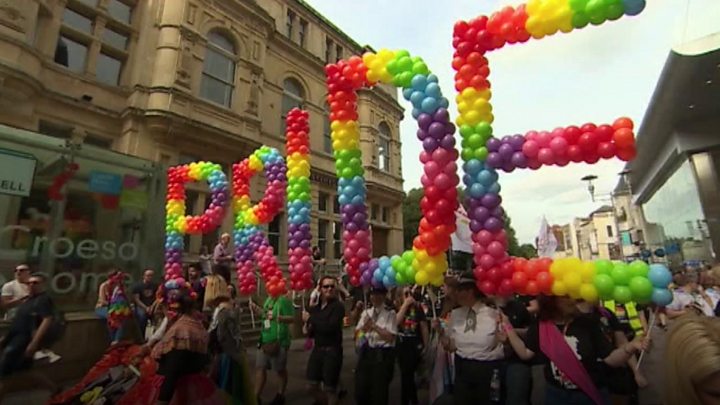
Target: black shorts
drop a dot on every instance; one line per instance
(324, 366)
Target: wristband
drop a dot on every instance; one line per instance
(507, 327)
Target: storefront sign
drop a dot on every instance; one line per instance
(86, 249)
(17, 171)
(136, 199)
(105, 183)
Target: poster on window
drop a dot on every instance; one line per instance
(17, 171)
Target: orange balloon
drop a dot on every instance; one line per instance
(623, 122)
(624, 138)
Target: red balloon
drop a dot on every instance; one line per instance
(546, 156)
(588, 142)
(532, 288)
(588, 128)
(519, 263)
(544, 281)
(624, 138)
(623, 122)
(519, 281)
(530, 148)
(505, 289)
(494, 275)
(487, 287)
(571, 134)
(533, 268)
(606, 150)
(627, 154)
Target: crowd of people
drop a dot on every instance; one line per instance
(468, 348)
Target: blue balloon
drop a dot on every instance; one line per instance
(378, 274)
(494, 188)
(473, 167)
(417, 98)
(419, 82)
(384, 262)
(468, 180)
(485, 178)
(433, 90)
(633, 7)
(477, 190)
(444, 103)
(662, 297)
(432, 78)
(416, 113)
(659, 275)
(407, 93)
(429, 105)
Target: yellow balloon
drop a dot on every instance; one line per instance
(587, 271)
(438, 281)
(588, 292)
(421, 255)
(557, 269)
(572, 281)
(559, 288)
(421, 278)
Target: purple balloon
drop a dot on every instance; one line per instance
(422, 134)
(471, 203)
(305, 244)
(519, 160)
(450, 128)
(493, 224)
(424, 120)
(506, 151)
(490, 200)
(480, 214)
(493, 144)
(508, 167)
(497, 212)
(447, 142)
(430, 144)
(506, 139)
(494, 160)
(441, 115)
(437, 130)
(476, 226)
(352, 227)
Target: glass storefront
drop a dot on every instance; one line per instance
(74, 226)
(675, 214)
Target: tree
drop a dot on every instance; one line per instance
(411, 221)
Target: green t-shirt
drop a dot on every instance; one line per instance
(278, 331)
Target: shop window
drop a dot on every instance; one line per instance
(337, 239)
(108, 69)
(218, 78)
(322, 201)
(322, 237)
(383, 151)
(274, 233)
(293, 96)
(77, 37)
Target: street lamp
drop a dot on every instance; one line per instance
(591, 187)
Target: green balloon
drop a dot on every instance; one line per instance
(603, 266)
(399, 278)
(639, 268)
(580, 20)
(484, 129)
(578, 5)
(420, 68)
(604, 285)
(622, 294)
(475, 141)
(393, 67)
(466, 130)
(480, 153)
(402, 53)
(410, 275)
(620, 274)
(467, 154)
(641, 288)
(408, 256)
(405, 64)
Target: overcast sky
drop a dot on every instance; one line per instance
(592, 75)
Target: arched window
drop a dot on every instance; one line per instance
(218, 78)
(327, 139)
(383, 151)
(293, 96)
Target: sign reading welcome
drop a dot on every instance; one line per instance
(17, 171)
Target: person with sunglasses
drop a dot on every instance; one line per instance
(16, 291)
(324, 323)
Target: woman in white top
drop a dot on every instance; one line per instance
(472, 334)
(376, 341)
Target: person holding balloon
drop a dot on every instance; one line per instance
(573, 350)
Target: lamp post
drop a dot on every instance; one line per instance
(590, 178)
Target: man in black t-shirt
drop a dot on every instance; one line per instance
(25, 336)
(144, 298)
(518, 375)
(324, 323)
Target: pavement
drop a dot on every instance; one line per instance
(296, 393)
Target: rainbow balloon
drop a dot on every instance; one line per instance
(251, 244)
(177, 223)
(299, 200)
(426, 262)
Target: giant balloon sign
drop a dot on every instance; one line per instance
(482, 154)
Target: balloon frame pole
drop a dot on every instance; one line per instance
(653, 321)
(252, 312)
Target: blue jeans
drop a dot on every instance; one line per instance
(518, 383)
(558, 396)
(142, 320)
(114, 334)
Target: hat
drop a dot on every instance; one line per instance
(378, 290)
(465, 279)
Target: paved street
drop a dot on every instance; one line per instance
(297, 361)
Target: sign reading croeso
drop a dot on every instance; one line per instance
(17, 170)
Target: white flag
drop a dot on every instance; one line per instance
(546, 242)
(461, 239)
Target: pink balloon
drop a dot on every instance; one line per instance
(431, 169)
(496, 249)
(559, 146)
(487, 262)
(426, 181)
(530, 148)
(531, 135)
(544, 139)
(484, 237)
(546, 156)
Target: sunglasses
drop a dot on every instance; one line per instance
(33, 282)
(328, 287)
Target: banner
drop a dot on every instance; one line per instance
(546, 242)
(461, 239)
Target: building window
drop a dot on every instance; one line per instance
(78, 33)
(55, 130)
(337, 239)
(375, 211)
(385, 211)
(329, 48)
(609, 231)
(384, 147)
(322, 237)
(274, 233)
(289, 24)
(338, 52)
(293, 96)
(218, 78)
(322, 201)
(336, 205)
(327, 132)
(302, 37)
